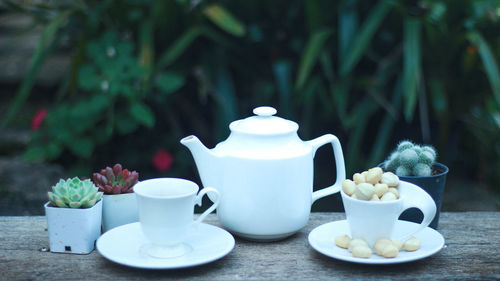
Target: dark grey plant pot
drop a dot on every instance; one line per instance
(434, 185)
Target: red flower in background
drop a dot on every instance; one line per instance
(162, 160)
(37, 120)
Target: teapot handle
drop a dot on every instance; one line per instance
(339, 163)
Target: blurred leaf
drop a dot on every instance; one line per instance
(169, 82)
(327, 67)
(496, 119)
(255, 33)
(178, 48)
(225, 20)
(425, 126)
(82, 147)
(360, 117)
(489, 62)
(313, 12)
(439, 101)
(87, 77)
(216, 36)
(310, 55)
(184, 2)
(340, 96)
(364, 36)
(40, 54)
(307, 106)
(379, 83)
(97, 103)
(348, 23)
(146, 52)
(381, 140)
(358, 112)
(411, 65)
(53, 150)
(326, 64)
(142, 113)
(226, 97)
(34, 154)
(39, 153)
(437, 11)
(283, 73)
(484, 8)
(125, 124)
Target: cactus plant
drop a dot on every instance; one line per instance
(410, 159)
(115, 180)
(74, 193)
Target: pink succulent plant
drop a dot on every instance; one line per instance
(115, 180)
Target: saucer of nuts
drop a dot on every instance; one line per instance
(332, 239)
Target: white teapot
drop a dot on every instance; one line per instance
(264, 173)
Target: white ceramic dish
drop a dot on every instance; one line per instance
(322, 239)
(126, 245)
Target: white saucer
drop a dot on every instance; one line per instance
(125, 245)
(322, 239)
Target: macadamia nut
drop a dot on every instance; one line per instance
(355, 243)
(381, 244)
(412, 244)
(358, 178)
(342, 241)
(362, 252)
(348, 186)
(394, 191)
(390, 251)
(364, 191)
(381, 189)
(390, 179)
(374, 175)
(388, 196)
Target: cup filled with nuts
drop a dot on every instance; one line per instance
(373, 201)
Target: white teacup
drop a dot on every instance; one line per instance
(373, 220)
(166, 208)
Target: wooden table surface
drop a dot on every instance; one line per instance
(472, 251)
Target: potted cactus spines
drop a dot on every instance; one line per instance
(73, 215)
(417, 164)
(119, 202)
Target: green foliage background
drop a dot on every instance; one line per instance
(146, 73)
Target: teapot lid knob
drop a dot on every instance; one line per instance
(263, 123)
(264, 111)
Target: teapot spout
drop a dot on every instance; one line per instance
(204, 159)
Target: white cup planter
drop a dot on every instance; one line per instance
(73, 230)
(118, 209)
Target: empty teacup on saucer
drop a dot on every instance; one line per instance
(166, 208)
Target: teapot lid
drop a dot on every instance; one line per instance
(264, 123)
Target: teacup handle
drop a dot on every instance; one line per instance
(215, 197)
(418, 198)
(339, 163)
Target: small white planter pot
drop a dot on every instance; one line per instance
(118, 209)
(73, 231)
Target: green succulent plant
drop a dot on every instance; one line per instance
(410, 159)
(74, 193)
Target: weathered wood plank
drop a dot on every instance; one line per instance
(472, 252)
(17, 47)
